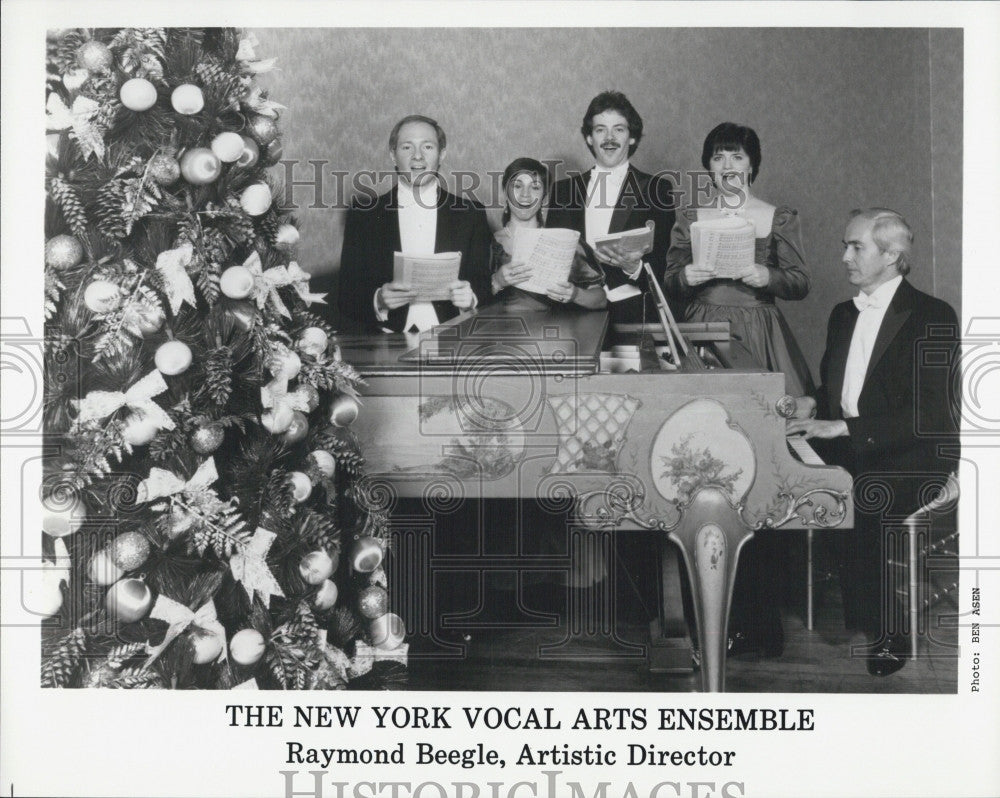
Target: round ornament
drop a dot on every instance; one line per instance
(42, 595)
(102, 569)
(207, 438)
(301, 487)
(366, 555)
(344, 411)
(129, 600)
(273, 153)
(324, 462)
(95, 56)
(243, 313)
(308, 394)
(63, 252)
(228, 146)
(200, 166)
(313, 341)
(250, 154)
(236, 282)
(139, 430)
(388, 632)
(164, 169)
(277, 419)
(256, 199)
(326, 597)
(205, 647)
(102, 296)
(246, 647)
(317, 566)
(138, 94)
(130, 550)
(287, 236)
(172, 358)
(264, 129)
(61, 518)
(187, 99)
(373, 602)
(298, 429)
(285, 364)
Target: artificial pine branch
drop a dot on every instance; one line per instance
(61, 666)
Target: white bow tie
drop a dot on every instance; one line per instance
(863, 302)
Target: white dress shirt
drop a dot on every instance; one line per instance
(602, 196)
(872, 308)
(417, 234)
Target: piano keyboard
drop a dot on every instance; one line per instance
(803, 451)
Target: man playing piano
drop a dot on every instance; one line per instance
(884, 415)
(417, 217)
(613, 197)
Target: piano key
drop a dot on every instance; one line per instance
(803, 451)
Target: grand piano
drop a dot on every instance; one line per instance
(616, 424)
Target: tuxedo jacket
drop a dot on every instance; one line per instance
(642, 198)
(907, 407)
(371, 236)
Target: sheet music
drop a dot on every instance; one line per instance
(725, 244)
(429, 275)
(636, 242)
(550, 253)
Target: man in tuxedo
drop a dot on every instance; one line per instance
(884, 412)
(417, 217)
(614, 196)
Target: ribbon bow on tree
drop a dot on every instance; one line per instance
(139, 399)
(177, 282)
(80, 118)
(246, 54)
(180, 618)
(250, 568)
(267, 283)
(275, 395)
(300, 282)
(162, 484)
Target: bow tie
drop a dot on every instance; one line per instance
(863, 302)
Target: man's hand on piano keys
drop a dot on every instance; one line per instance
(805, 407)
(814, 428)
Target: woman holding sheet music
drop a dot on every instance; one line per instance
(744, 297)
(525, 184)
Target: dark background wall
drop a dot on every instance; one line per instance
(847, 118)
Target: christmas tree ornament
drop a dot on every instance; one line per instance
(326, 596)
(139, 399)
(129, 600)
(249, 566)
(309, 395)
(102, 296)
(324, 462)
(256, 199)
(180, 617)
(287, 236)
(206, 438)
(42, 589)
(138, 94)
(313, 341)
(272, 153)
(228, 146)
(140, 430)
(63, 252)
(172, 358)
(264, 129)
(277, 419)
(344, 411)
(164, 169)
(200, 166)
(298, 429)
(95, 56)
(102, 569)
(130, 550)
(284, 363)
(373, 602)
(75, 78)
(236, 282)
(62, 516)
(206, 646)
(387, 632)
(250, 154)
(317, 566)
(243, 313)
(187, 99)
(301, 486)
(149, 319)
(247, 647)
(366, 555)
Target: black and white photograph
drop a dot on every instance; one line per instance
(601, 398)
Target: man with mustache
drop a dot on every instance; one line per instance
(416, 217)
(612, 197)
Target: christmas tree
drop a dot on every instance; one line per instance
(204, 516)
